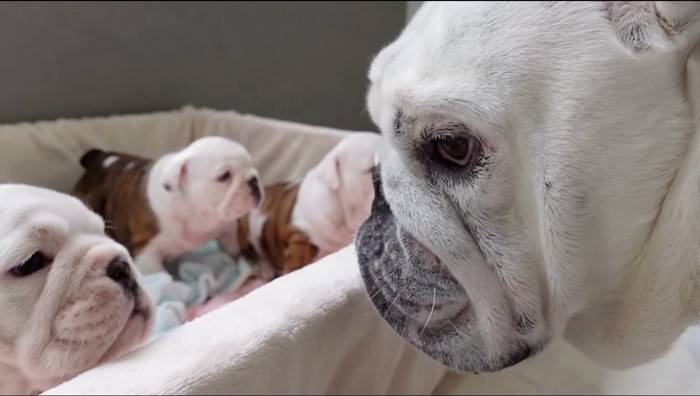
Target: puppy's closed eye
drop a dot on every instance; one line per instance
(34, 263)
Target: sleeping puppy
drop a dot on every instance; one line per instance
(161, 209)
(301, 222)
(69, 295)
(336, 195)
(540, 180)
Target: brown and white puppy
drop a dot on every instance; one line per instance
(335, 197)
(160, 209)
(267, 236)
(69, 295)
(301, 222)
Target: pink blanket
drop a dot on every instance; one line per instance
(248, 286)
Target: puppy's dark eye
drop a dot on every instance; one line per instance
(35, 263)
(224, 177)
(457, 150)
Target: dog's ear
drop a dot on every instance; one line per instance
(648, 26)
(330, 173)
(90, 157)
(175, 174)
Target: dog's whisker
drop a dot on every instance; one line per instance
(377, 292)
(487, 384)
(392, 304)
(432, 309)
(456, 329)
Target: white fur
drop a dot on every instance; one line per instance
(336, 195)
(587, 98)
(69, 316)
(191, 205)
(109, 161)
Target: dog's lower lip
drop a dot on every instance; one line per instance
(141, 311)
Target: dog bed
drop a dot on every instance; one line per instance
(310, 332)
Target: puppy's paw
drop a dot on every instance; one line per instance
(149, 264)
(228, 241)
(264, 271)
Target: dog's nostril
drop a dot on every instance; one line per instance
(255, 188)
(253, 183)
(118, 270)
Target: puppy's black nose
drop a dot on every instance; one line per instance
(255, 189)
(119, 271)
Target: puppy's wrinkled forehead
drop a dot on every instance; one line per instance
(209, 153)
(27, 208)
(476, 60)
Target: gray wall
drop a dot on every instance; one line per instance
(411, 8)
(300, 61)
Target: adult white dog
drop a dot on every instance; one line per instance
(541, 179)
(335, 197)
(70, 297)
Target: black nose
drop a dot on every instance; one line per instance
(255, 189)
(119, 271)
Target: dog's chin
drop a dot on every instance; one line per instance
(135, 333)
(89, 343)
(421, 300)
(239, 207)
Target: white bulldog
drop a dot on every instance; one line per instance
(70, 297)
(196, 194)
(335, 196)
(541, 178)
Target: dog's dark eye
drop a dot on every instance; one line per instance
(457, 150)
(224, 177)
(35, 263)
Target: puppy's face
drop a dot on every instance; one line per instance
(216, 176)
(347, 171)
(70, 297)
(525, 166)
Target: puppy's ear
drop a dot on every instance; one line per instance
(175, 174)
(90, 157)
(648, 26)
(330, 173)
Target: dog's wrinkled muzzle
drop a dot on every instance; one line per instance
(417, 296)
(409, 288)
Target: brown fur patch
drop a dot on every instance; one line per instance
(284, 246)
(118, 194)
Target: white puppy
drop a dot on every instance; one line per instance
(541, 178)
(69, 296)
(336, 195)
(196, 194)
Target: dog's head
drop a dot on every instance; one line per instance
(347, 172)
(215, 176)
(530, 146)
(70, 297)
